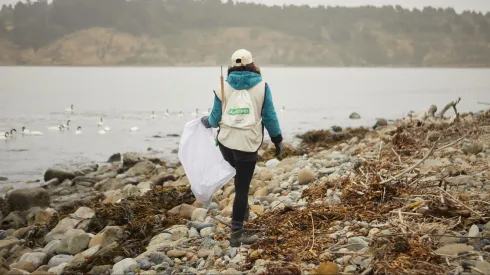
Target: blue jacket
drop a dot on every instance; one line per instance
(243, 81)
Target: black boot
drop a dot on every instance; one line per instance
(238, 237)
(247, 213)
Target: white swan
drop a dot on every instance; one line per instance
(78, 131)
(180, 114)
(134, 129)
(107, 128)
(5, 136)
(196, 113)
(102, 132)
(100, 122)
(283, 109)
(167, 113)
(67, 125)
(153, 116)
(69, 110)
(56, 128)
(28, 132)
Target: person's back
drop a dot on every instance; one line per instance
(248, 107)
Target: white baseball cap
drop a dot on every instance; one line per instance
(241, 57)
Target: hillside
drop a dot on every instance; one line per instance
(187, 32)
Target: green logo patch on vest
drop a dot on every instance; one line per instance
(239, 111)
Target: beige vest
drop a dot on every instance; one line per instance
(247, 138)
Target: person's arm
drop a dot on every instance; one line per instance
(269, 117)
(216, 113)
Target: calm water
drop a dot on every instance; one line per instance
(315, 98)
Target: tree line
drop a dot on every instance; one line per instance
(367, 32)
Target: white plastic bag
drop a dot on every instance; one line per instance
(203, 163)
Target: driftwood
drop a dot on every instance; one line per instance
(483, 103)
(432, 111)
(449, 105)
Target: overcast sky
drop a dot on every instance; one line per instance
(459, 5)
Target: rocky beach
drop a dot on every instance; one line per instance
(407, 197)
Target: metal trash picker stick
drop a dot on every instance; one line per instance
(223, 100)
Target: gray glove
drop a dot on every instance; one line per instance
(279, 148)
(205, 122)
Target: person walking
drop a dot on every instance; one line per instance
(241, 110)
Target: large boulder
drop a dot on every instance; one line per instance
(131, 158)
(75, 241)
(141, 168)
(24, 199)
(61, 175)
(115, 158)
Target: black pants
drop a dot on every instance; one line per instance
(244, 163)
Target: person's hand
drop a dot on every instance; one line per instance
(279, 148)
(205, 121)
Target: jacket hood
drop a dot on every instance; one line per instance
(243, 80)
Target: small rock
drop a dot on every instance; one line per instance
(50, 248)
(258, 209)
(161, 267)
(61, 228)
(159, 257)
(306, 176)
(12, 221)
(91, 251)
(35, 258)
(39, 217)
(76, 241)
(57, 270)
(23, 267)
(350, 269)
(199, 214)
(272, 164)
(453, 249)
(206, 232)
(59, 259)
(107, 236)
(179, 232)
(483, 267)
(473, 148)
(100, 270)
(486, 226)
(373, 232)
(125, 266)
(144, 264)
(354, 116)
(176, 253)
(266, 175)
(183, 210)
(380, 122)
(141, 168)
(327, 268)
(336, 129)
(84, 213)
(231, 271)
